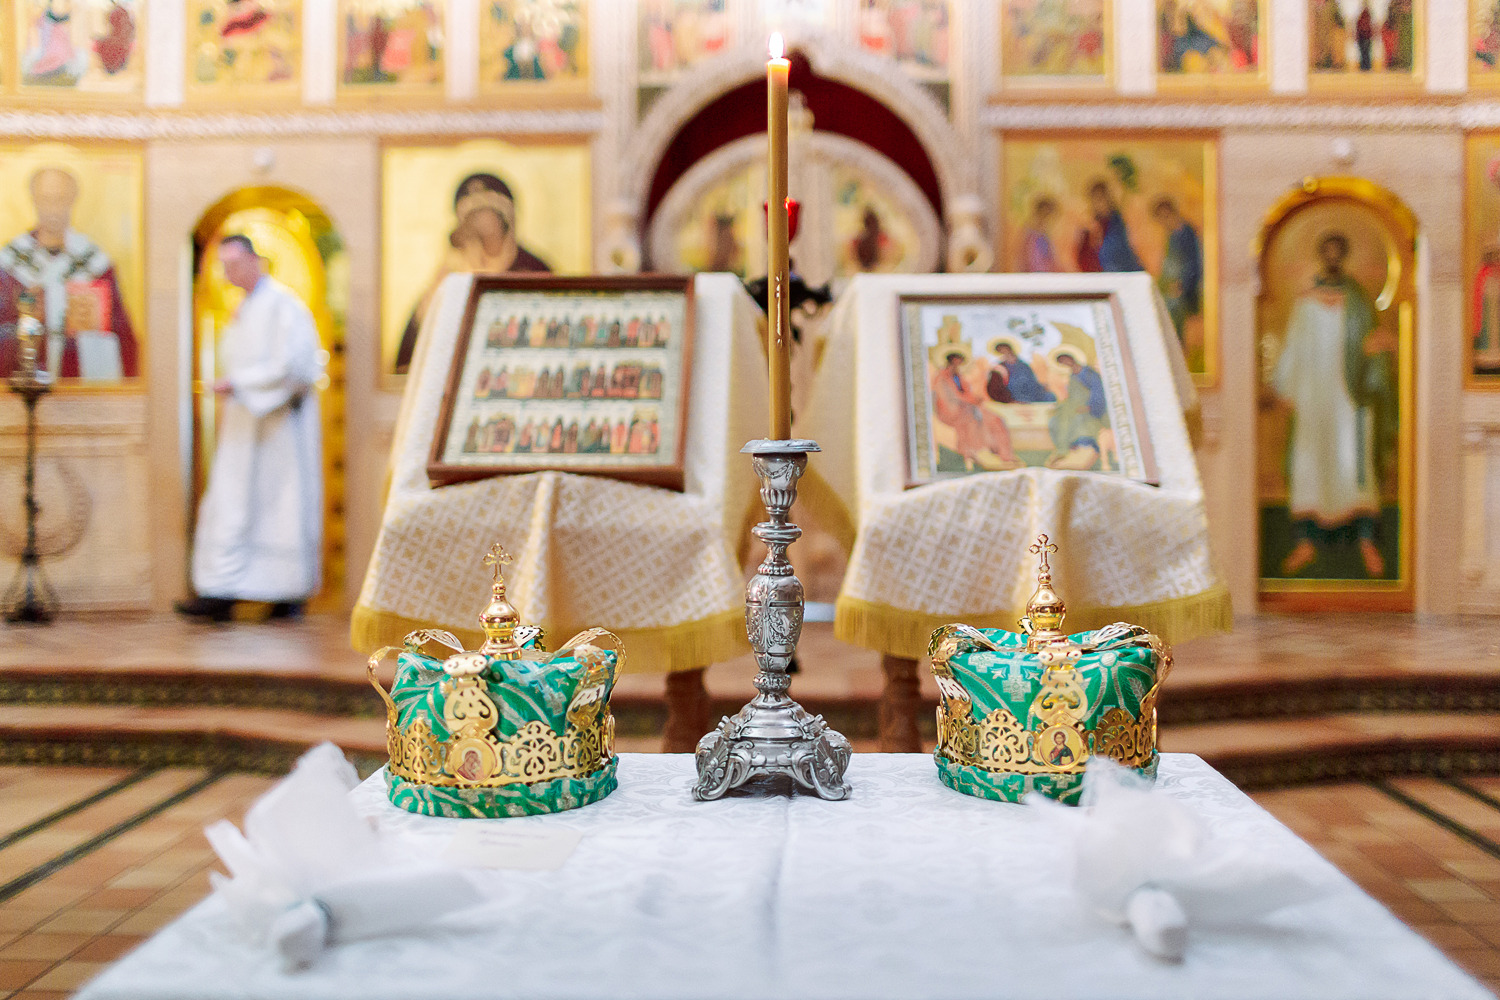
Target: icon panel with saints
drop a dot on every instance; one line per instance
(1118, 204)
(602, 359)
(580, 380)
(631, 431)
(59, 273)
(1334, 504)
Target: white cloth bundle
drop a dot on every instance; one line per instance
(309, 871)
(1143, 860)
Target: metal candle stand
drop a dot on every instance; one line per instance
(29, 597)
(772, 734)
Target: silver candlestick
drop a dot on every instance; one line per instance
(773, 734)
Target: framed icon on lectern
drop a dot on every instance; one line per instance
(1002, 382)
(586, 375)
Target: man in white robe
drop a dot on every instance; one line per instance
(259, 534)
(1335, 372)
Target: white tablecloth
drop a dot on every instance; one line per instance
(905, 890)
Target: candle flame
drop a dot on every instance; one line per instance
(776, 45)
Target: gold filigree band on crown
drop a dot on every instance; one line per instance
(534, 754)
(1001, 744)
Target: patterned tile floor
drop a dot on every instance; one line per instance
(92, 861)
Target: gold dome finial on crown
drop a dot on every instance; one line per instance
(1045, 611)
(500, 619)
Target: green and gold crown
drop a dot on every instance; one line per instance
(1025, 712)
(506, 730)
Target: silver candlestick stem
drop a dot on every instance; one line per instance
(773, 734)
(30, 598)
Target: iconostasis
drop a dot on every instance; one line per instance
(424, 137)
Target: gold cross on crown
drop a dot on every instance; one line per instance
(498, 558)
(1041, 548)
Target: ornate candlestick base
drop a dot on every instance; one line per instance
(773, 734)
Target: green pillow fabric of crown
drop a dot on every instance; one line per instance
(1117, 675)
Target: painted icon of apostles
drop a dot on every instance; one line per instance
(483, 241)
(73, 286)
(980, 435)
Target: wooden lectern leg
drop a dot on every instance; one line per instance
(898, 706)
(687, 711)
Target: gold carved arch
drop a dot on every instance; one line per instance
(1401, 225)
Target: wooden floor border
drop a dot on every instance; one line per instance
(1461, 830)
(73, 807)
(26, 880)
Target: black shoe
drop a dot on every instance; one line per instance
(211, 609)
(288, 610)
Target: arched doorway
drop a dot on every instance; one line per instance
(848, 150)
(1336, 362)
(306, 253)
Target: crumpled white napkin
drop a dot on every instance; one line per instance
(1142, 860)
(309, 872)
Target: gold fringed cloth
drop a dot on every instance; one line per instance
(657, 567)
(955, 551)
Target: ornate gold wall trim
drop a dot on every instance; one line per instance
(1384, 201)
(1290, 113)
(158, 125)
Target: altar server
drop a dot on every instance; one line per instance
(259, 534)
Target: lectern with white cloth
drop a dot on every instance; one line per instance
(955, 550)
(657, 567)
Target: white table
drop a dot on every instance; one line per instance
(905, 890)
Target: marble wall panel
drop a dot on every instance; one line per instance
(92, 486)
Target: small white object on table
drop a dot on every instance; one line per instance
(907, 889)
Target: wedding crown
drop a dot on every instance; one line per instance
(507, 729)
(1026, 712)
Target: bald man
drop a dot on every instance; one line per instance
(89, 335)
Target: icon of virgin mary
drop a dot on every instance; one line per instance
(483, 241)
